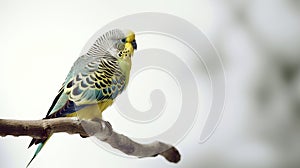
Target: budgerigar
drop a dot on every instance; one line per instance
(95, 80)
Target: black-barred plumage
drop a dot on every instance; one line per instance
(95, 79)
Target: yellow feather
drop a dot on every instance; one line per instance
(130, 37)
(93, 111)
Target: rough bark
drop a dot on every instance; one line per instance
(99, 128)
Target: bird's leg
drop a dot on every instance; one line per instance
(107, 124)
(98, 120)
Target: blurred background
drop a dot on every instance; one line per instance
(257, 40)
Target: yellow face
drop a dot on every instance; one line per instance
(129, 48)
(130, 37)
(130, 44)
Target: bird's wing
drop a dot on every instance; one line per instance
(100, 79)
(94, 77)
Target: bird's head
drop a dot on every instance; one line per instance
(129, 43)
(116, 43)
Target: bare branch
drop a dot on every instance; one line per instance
(101, 129)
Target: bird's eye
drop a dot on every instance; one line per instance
(123, 40)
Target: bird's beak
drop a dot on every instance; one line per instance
(134, 45)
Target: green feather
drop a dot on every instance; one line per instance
(39, 148)
(98, 76)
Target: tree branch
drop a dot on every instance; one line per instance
(101, 129)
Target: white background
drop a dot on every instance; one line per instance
(258, 41)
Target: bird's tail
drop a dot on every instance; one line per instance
(39, 148)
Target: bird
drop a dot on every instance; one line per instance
(94, 81)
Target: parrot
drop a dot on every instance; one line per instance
(94, 81)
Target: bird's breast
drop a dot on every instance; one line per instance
(125, 66)
(92, 111)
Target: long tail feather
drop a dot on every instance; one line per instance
(36, 141)
(41, 143)
(32, 142)
(39, 148)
